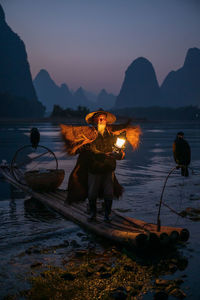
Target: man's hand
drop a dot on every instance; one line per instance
(110, 154)
(115, 155)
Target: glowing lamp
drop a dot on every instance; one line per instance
(120, 143)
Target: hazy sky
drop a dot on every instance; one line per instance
(90, 43)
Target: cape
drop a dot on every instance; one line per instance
(75, 138)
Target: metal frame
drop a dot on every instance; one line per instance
(13, 168)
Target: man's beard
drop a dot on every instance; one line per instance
(101, 128)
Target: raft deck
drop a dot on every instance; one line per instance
(121, 229)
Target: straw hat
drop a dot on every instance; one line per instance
(90, 118)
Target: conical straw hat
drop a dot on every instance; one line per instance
(91, 116)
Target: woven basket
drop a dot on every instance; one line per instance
(45, 181)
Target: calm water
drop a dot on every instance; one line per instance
(26, 226)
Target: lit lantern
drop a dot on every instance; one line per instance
(120, 143)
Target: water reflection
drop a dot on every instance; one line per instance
(155, 130)
(15, 193)
(157, 150)
(35, 211)
(12, 210)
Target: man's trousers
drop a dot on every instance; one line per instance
(105, 183)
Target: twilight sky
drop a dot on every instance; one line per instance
(90, 43)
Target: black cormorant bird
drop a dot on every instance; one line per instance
(34, 137)
(182, 153)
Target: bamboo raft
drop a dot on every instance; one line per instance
(121, 229)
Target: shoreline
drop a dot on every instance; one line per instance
(81, 121)
(77, 121)
(110, 273)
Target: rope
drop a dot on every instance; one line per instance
(175, 212)
(161, 197)
(166, 205)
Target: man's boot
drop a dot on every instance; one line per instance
(108, 205)
(92, 206)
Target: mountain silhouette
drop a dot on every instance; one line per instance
(15, 77)
(105, 100)
(49, 93)
(182, 87)
(91, 96)
(140, 86)
(80, 97)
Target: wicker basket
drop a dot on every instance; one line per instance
(44, 181)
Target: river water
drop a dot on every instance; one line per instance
(26, 226)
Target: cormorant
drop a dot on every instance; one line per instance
(34, 137)
(182, 153)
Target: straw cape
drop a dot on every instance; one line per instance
(77, 138)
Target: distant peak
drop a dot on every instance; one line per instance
(141, 60)
(138, 63)
(193, 51)
(80, 89)
(103, 92)
(192, 57)
(64, 86)
(42, 74)
(2, 14)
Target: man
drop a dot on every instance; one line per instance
(102, 164)
(93, 175)
(182, 153)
